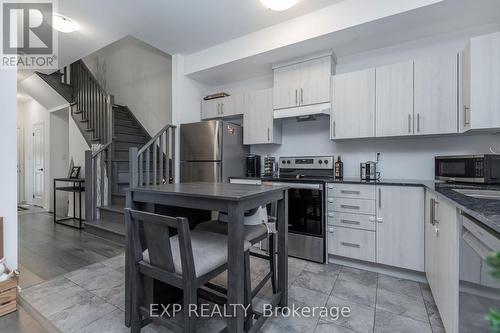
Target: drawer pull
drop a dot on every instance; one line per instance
(350, 222)
(330, 200)
(350, 207)
(357, 246)
(350, 192)
(330, 214)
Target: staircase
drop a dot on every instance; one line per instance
(113, 133)
(128, 133)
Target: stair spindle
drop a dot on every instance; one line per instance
(148, 161)
(162, 138)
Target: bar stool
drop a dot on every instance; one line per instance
(253, 234)
(187, 260)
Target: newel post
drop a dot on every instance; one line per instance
(134, 168)
(89, 186)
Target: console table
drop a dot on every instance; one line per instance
(77, 187)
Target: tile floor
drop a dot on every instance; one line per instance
(91, 299)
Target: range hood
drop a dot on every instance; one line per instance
(303, 112)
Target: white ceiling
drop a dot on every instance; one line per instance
(173, 26)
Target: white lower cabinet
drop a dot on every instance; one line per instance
(400, 226)
(352, 243)
(382, 224)
(442, 234)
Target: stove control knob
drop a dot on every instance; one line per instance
(326, 161)
(283, 162)
(320, 162)
(288, 162)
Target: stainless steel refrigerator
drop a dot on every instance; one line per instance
(212, 151)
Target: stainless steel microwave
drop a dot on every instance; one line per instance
(484, 169)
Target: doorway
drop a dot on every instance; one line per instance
(38, 164)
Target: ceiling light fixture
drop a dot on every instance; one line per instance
(64, 24)
(279, 5)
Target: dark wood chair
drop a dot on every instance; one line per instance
(187, 260)
(252, 234)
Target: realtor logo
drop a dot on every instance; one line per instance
(28, 39)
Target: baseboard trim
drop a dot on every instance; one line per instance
(378, 268)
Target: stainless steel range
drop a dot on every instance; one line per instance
(306, 176)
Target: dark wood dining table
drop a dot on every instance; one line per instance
(234, 199)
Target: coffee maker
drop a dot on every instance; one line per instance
(253, 165)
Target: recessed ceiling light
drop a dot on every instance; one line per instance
(64, 24)
(279, 5)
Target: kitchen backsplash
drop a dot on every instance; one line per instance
(401, 158)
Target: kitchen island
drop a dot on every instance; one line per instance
(234, 199)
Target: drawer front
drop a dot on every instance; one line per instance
(351, 243)
(356, 206)
(358, 221)
(351, 191)
(8, 296)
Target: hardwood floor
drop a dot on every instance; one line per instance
(47, 250)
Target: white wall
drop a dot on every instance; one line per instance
(77, 147)
(8, 175)
(186, 98)
(139, 76)
(59, 163)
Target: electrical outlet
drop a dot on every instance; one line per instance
(378, 157)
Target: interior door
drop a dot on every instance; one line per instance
(20, 171)
(38, 165)
(394, 99)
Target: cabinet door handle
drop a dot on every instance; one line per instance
(379, 198)
(268, 134)
(466, 121)
(350, 222)
(433, 219)
(221, 108)
(409, 123)
(334, 130)
(350, 206)
(418, 122)
(296, 97)
(218, 108)
(301, 96)
(350, 192)
(357, 246)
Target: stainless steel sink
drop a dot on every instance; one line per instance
(480, 194)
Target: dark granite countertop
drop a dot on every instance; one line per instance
(486, 211)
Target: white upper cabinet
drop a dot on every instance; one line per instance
(223, 107)
(394, 99)
(315, 76)
(303, 83)
(400, 226)
(259, 126)
(353, 105)
(435, 95)
(481, 74)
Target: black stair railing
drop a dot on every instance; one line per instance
(96, 108)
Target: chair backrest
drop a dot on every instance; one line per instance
(152, 232)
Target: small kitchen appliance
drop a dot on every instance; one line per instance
(253, 165)
(270, 166)
(368, 171)
(482, 169)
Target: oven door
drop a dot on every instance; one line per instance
(459, 168)
(305, 208)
